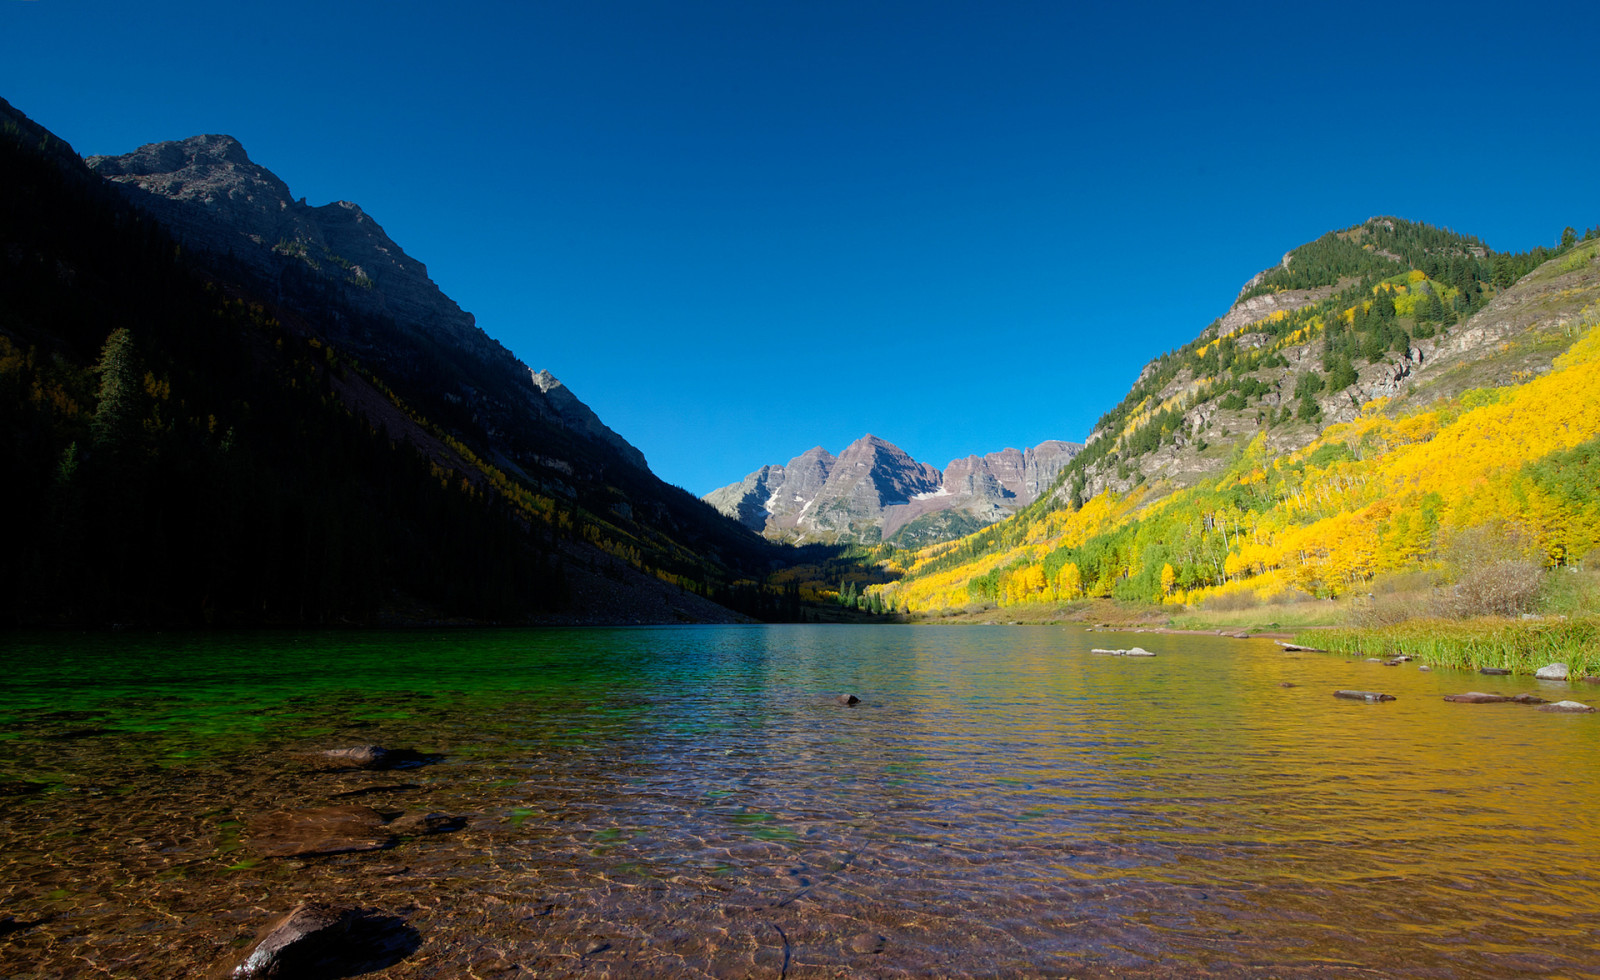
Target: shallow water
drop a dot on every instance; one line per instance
(693, 802)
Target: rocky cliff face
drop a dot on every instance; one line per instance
(385, 309)
(875, 491)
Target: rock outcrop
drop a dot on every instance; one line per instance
(874, 491)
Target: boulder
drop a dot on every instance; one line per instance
(322, 940)
(1567, 707)
(1552, 672)
(1138, 652)
(1370, 696)
(848, 699)
(1476, 697)
(1494, 671)
(293, 945)
(1528, 699)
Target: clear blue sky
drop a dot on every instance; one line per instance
(741, 229)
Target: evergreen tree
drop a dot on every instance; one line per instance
(116, 416)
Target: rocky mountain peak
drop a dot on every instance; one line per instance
(874, 490)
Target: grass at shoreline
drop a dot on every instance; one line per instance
(1521, 646)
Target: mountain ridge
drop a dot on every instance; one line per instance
(874, 491)
(215, 198)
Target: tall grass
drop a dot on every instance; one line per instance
(1520, 645)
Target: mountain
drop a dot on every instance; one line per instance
(874, 491)
(213, 198)
(219, 405)
(1381, 392)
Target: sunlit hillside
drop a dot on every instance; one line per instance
(1316, 498)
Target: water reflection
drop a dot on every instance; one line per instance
(694, 801)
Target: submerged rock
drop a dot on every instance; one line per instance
(1567, 707)
(1476, 697)
(1552, 672)
(1424, 668)
(327, 830)
(419, 824)
(374, 757)
(341, 830)
(291, 946)
(1371, 696)
(1287, 684)
(1529, 699)
(868, 943)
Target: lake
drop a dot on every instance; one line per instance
(693, 801)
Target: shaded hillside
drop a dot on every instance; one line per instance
(1298, 443)
(188, 445)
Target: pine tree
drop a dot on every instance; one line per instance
(117, 415)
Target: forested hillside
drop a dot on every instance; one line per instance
(180, 450)
(1400, 386)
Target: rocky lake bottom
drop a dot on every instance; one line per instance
(696, 802)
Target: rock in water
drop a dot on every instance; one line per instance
(1496, 671)
(293, 944)
(1371, 696)
(1552, 672)
(421, 824)
(374, 757)
(1567, 707)
(1476, 697)
(848, 699)
(328, 830)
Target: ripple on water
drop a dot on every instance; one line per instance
(693, 802)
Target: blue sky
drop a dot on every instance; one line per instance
(741, 229)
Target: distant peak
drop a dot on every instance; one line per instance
(172, 156)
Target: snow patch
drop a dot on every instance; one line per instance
(941, 492)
